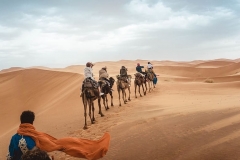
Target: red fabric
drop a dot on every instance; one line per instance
(76, 147)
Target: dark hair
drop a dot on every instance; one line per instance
(89, 64)
(35, 154)
(27, 117)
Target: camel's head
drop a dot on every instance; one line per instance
(112, 80)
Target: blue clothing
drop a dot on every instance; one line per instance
(14, 151)
(155, 80)
(139, 69)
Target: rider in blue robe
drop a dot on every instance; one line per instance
(15, 152)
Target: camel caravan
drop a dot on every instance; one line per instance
(96, 90)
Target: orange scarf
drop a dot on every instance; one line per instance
(77, 147)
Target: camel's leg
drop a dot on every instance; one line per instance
(124, 96)
(85, 110)
(129, 93)
(111, 98)
(119, 96)
(146, 87)
(106, 102)
(149, 85)
(139, 90)
(135, 85)
(93, 109)
(100, 107)
(145, 91)
(90, 110)
(142, 89)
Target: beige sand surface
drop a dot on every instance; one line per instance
(183, 118)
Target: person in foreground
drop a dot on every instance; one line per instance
(76, 147)
(20, 144)
(36, 154)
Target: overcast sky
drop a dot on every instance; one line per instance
(59, 33)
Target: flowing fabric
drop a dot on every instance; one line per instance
(76, 147)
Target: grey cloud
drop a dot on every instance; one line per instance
(116, 29)
(201, 6)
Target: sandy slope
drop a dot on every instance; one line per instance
(183, 118)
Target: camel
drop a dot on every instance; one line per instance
(139, 81)
(106, 89)
(149, 79)
(124, 83)
(89, 95)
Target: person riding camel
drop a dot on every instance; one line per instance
(103, 75)
(123, 74)
(88, 74)
(139, 69)
(150, 68)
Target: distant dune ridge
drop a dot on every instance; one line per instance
(185, 117)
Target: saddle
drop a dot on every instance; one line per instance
(139, 75)
(150, 75)
(103, 81)
(89, 83)
(122, 78)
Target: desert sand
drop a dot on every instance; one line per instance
(192, 114)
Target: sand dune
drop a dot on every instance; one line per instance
(183, 71)
(214, 64)
(183, 118)
(35, 89)
(11, 69)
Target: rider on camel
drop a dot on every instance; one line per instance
(103, 75)
(123, 73)
(88, 74)
(139, 69)
(150, 69)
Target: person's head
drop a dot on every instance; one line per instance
(35, 154)
(149, 63)
(138, 64)
(123, 67)
(89, 64)
(27, 117)
(105, 67)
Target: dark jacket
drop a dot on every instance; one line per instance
(123, 72)
(139, 69)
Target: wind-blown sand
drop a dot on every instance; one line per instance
(183, 118)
